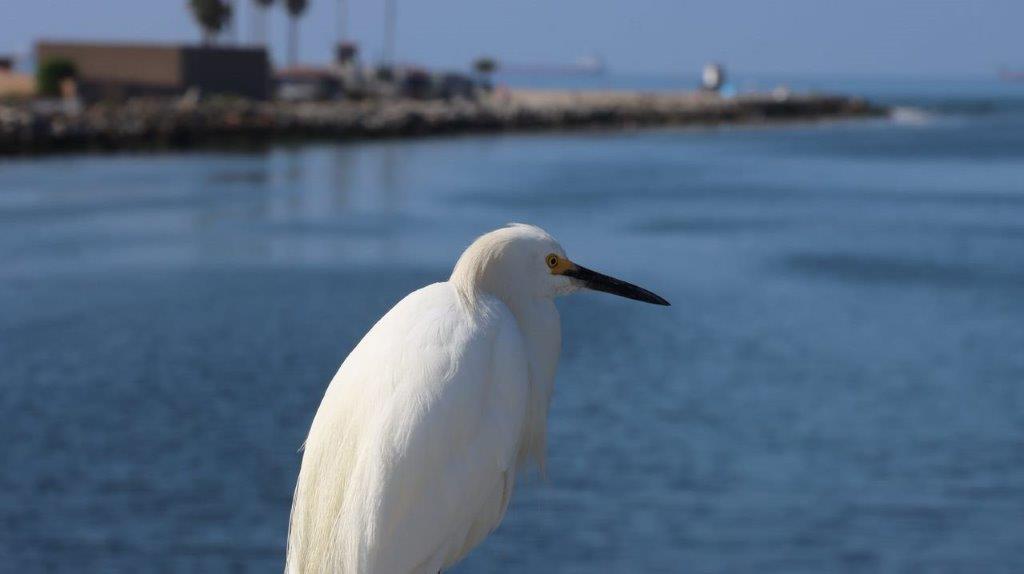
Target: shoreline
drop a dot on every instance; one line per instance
(175, 124)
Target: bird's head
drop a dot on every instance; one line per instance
(523, 260)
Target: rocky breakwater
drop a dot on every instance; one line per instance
(29, 127)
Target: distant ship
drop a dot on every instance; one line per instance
(1011, 75)
(590, 65)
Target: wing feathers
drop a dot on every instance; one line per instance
(410, 460)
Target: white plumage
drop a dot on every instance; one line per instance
(412, 456)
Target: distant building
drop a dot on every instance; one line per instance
(342, 79)
(305, 83)
(347, 81)
(117, 71)
(12, 83)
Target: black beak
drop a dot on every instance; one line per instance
(600, 282)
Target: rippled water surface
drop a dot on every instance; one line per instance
(839, 385)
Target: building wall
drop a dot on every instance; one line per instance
(236, 71)
(13, 84)
(147, 65)
(115, 71)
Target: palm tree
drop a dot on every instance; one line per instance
(260, 21)
(295, 10)
(484, 66)
(212, 16)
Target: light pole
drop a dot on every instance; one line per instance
(390, 18)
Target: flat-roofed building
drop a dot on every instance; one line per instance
(117, 71)
(14, 84)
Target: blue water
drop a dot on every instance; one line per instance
(838, 386)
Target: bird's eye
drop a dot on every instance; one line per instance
(552, 261)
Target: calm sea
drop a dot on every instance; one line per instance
(838, 386)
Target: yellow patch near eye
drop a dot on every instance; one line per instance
(558, 265)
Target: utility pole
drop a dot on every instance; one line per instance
(390, 17)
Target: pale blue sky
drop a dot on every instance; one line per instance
(863, 37)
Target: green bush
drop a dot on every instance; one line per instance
(51, 73)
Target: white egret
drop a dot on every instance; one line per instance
(413, 453)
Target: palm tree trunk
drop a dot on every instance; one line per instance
(259, 17)
(390, 17)
(293, 40)
(342, 21)
(264, 15)
(230, 28)
(255, 19)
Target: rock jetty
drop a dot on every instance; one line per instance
(27, 127)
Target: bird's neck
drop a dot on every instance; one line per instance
(541, 327)
(542, 336)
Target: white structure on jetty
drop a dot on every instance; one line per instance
(713, 77)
